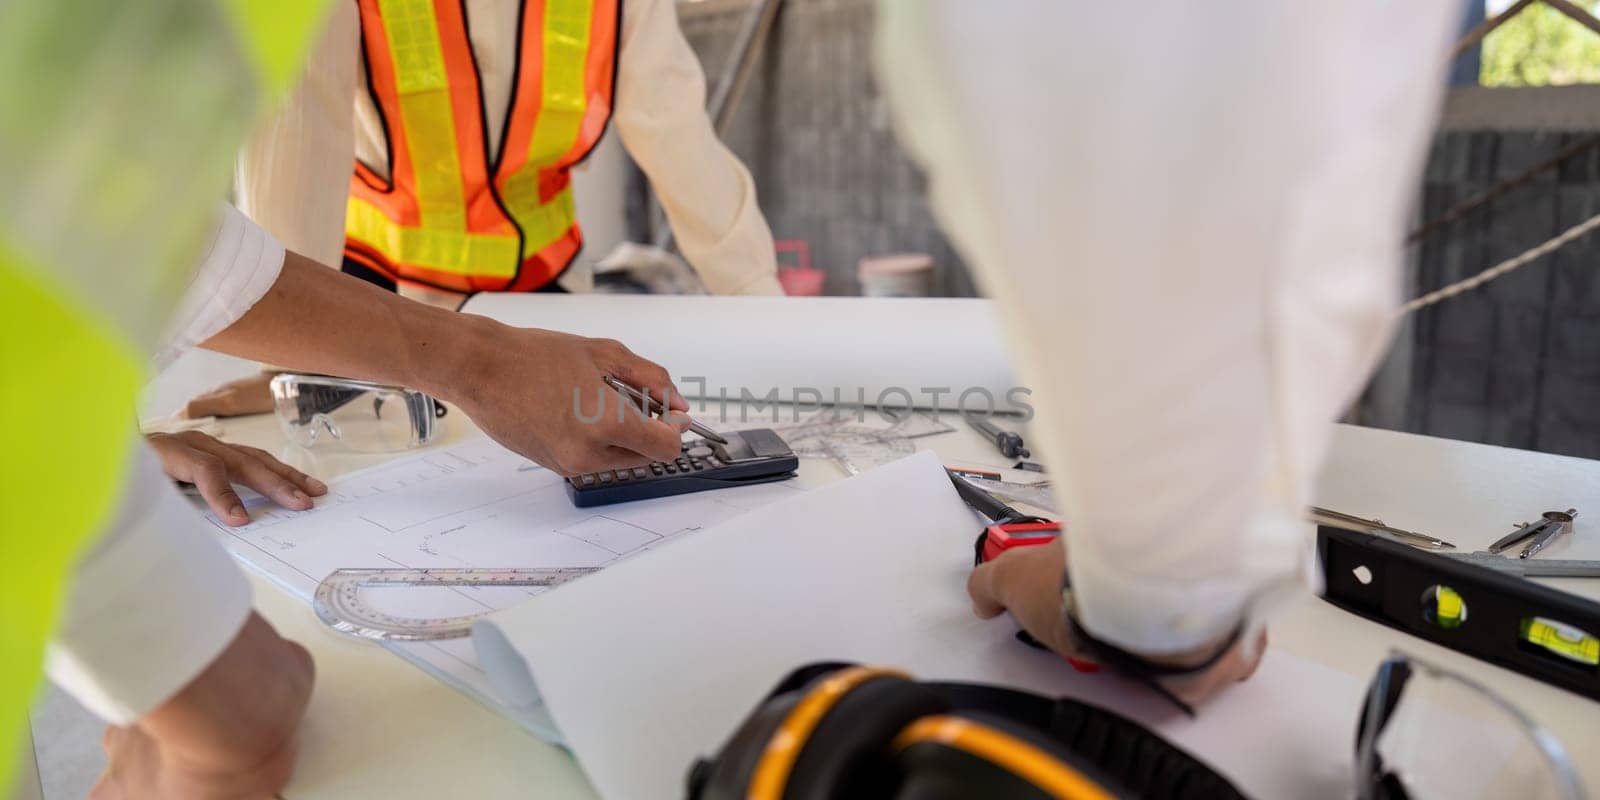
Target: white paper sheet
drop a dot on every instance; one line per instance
(473, 504)
(863, 349)
(872, 569)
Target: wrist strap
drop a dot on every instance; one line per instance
(1130, 664)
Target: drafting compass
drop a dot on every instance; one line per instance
(1537, 534)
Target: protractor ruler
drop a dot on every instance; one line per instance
(341, 599)
(854, 448)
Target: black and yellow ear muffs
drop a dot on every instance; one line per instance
(973, 754)
(819, 733)
(838, 730)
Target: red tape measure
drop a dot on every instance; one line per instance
(1003, 536)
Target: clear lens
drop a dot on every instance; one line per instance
(1447, 737)
(353, 415)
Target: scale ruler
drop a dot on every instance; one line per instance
(340, 603)
(1531, 567)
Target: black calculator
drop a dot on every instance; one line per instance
(749, 457)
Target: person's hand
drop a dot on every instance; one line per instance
(1027, 582)
(229, 734)
(213, 466)
(542, 394)
(236, 398)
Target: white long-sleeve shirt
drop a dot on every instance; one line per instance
(294, 176)
(1192, 215)
(157, 598)
(1195, 232)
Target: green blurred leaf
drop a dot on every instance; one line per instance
(1541, 47)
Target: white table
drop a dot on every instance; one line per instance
(379, 727)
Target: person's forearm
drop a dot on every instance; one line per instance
(245, 707)
(231, 732)
(1235, 307)
(319, 320)
(708, 195)
(520, 385)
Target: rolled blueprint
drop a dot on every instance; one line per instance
(877, 352)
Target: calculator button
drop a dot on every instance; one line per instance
(699, 451)
(639, 472)
(671, 468)
(699, 465)
(683, 463)
(587, 480)
(623, 475)
(656, 468)
(605, 477)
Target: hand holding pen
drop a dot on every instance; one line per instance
(654, 407)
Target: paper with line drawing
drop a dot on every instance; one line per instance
(473, 504)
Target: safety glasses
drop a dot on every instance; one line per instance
(318, 410)
(1427, 732)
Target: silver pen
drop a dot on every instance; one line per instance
(1377, 526)
(654, 406)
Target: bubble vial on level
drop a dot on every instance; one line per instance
(1561, 639)
(1443, 606)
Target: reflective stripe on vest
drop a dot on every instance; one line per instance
(450, 216)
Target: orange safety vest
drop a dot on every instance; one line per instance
(451, 217)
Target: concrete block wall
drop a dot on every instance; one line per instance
(1515, 363)
(814, 131)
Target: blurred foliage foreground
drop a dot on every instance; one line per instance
(1541, 47)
